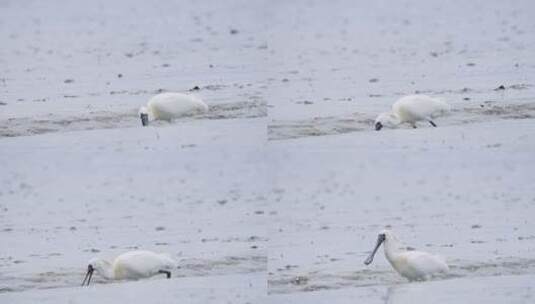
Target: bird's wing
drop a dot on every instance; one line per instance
(176, 104)
(421, 106)
(426, 262)
(140, 262)
(441, 107)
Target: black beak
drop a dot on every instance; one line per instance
(144, 119)
(88, 275)
(378, 126)
(380, 240)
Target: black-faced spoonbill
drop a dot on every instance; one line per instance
(410, 109)
(131, 265)
(168, 106)
(413, 265)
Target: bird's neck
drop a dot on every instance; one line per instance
(393, 247)
(105, 269)
(152, 114)
(395, 118)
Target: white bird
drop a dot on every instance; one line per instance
(413, 265)
(131, 265)
(410, 109)
(168, 106)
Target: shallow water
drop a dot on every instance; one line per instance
(358, 122)
(108, 120)
(188, 267)
(492, 289)
(62, 204)
(292, 279)
(457, 192)
(95, 64)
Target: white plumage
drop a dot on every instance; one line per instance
(168, 106)
(413, 265)
(410, 109)
(131, 265)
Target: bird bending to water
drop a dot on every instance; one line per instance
(413, 265)
(168, 106)
(410, 109)
(131, 265)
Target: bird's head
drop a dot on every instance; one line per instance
(98, 265)
(387, 119)
(144, 116)
(88, 274)
(383, 236)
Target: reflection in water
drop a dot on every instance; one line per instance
(390, 294)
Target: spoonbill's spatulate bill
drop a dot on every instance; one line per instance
(168, 106)
(413, 265)
(410, 109)
(131, 265)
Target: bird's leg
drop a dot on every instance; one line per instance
(432, 123)
(167, 273)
